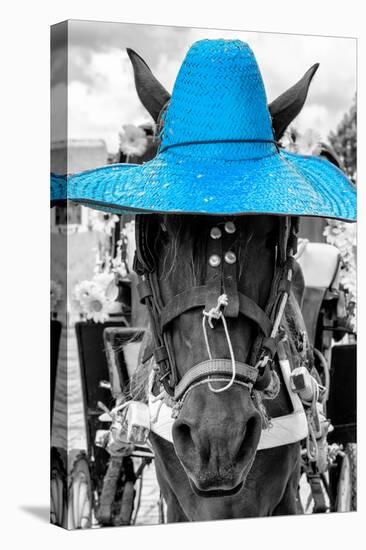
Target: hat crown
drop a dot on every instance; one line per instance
(219, 95)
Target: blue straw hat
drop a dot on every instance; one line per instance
(218, 154)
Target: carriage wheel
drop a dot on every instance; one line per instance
(110, 491)
(347, 484)
(58, 490)
(80, 495)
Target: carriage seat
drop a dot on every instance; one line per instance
(320, 265)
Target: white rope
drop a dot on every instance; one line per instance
(120, 407)
(216, 313)
(115, 410)
(311, 444)
(155, 398)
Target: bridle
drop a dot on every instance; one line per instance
(221, 279)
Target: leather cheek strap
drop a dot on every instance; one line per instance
(160, 351)
(144, 290)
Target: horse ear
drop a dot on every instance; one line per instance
(289, 104)
(152, 94)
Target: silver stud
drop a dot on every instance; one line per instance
(230, 257)
(230, 227)
(215, 233)
(214, 260)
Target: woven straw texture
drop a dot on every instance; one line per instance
(218, 96)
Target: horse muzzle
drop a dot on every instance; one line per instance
(215, 438)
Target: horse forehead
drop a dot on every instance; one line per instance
(194, 242)
(200, 226)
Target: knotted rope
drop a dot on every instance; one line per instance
(216, 313)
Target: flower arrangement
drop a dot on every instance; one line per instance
(306, 144)
(104, 223)
(94, 298)
(132, 140)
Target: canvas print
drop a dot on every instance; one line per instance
(203, 265)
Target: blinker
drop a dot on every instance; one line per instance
(214, 260)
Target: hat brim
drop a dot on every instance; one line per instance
(282, 183)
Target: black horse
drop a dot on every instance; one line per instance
(214, 470)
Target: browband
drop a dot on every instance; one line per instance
(196, 297)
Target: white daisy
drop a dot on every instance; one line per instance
(309, 143)
(91, 301)
(132, 140)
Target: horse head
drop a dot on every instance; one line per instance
(193, 258)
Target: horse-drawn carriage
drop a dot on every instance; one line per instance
(332, 477)
(94, 486)
(243, 350)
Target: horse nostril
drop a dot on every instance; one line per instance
(186, 440)
(183, 429)
(182, 433)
